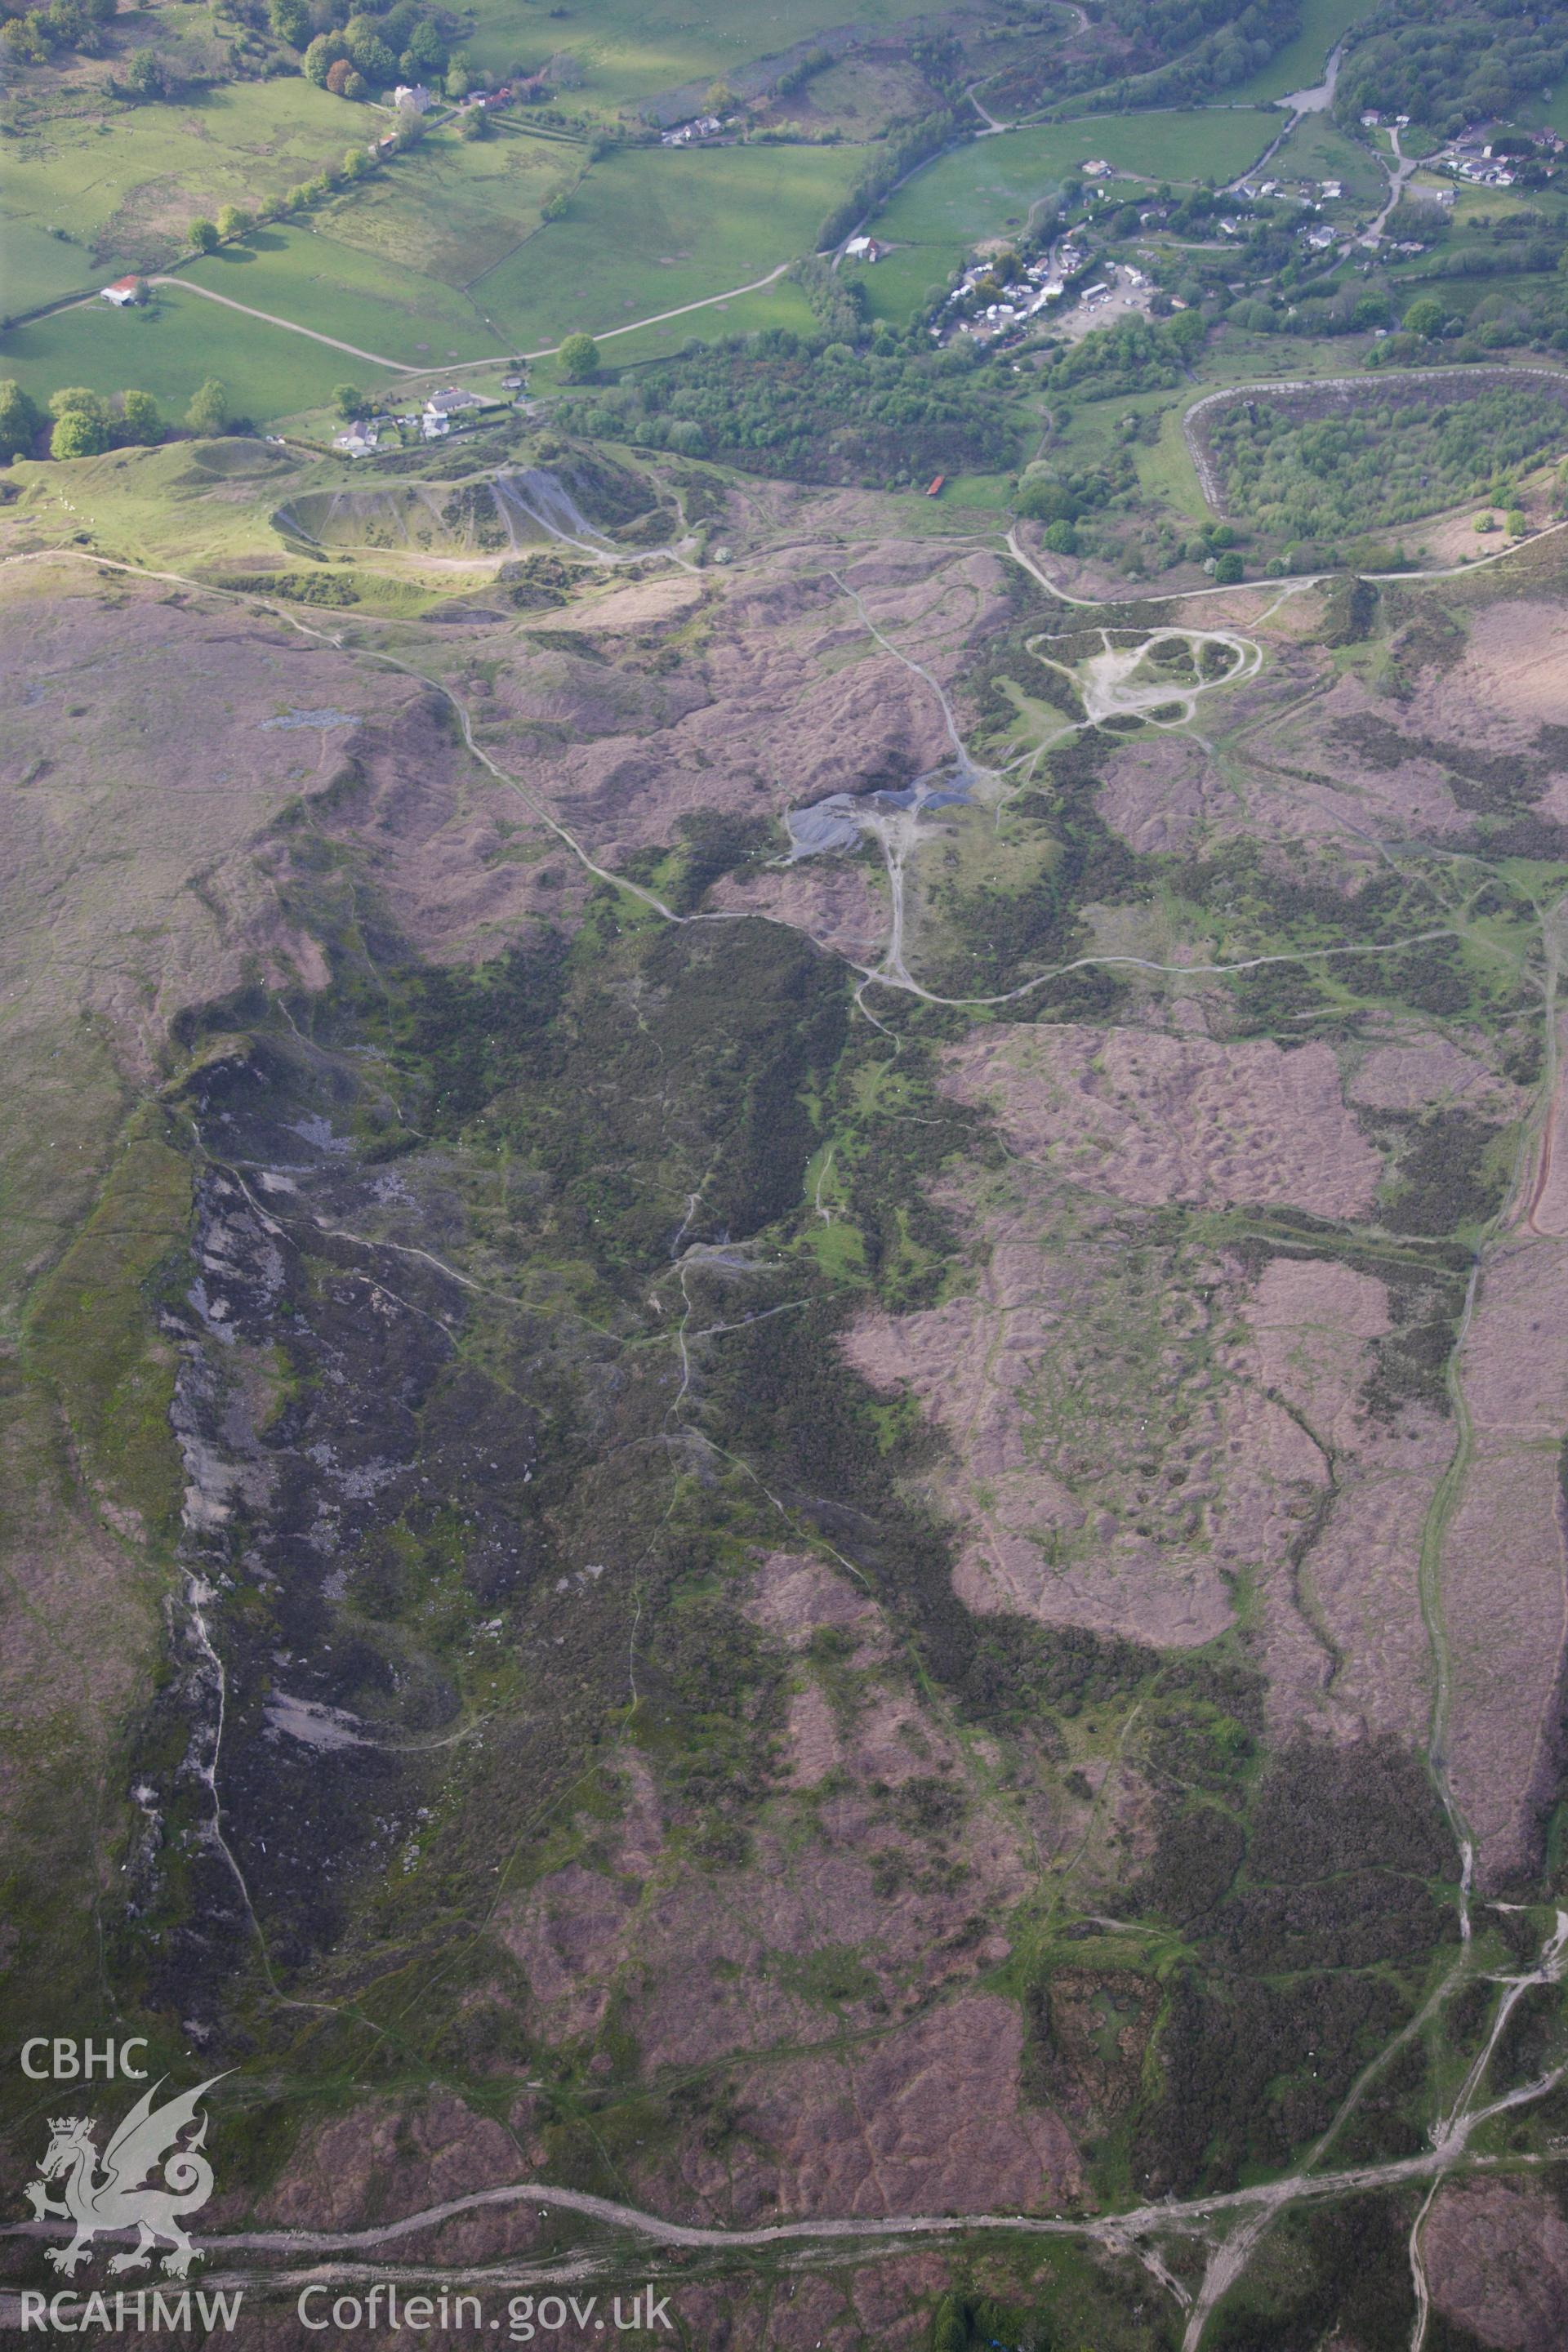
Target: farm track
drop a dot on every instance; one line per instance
(455, 367)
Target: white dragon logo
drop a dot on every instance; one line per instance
(123, 2196)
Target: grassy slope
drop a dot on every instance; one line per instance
(40, 267)
(778, 305)
(632, 50)
(1300, 64)
(171, 348)
(319, 282)
(1317, 151)
(648, 230)
(131, 178)
(982, 189)
(455, 208)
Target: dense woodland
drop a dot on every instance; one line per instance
(1449, 63)
(811, 411)
(1376, 464)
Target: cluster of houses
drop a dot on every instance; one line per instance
(1021, 298)
(432, 421)
(1031, 291)
(1490, 163)
(687, 135)
(1302, 192)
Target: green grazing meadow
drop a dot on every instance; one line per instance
(40, 267)
(778, 305)
(1318, 150)
(632, 49)
(308, 276)
(128, 180)
(1300, 64)
(987, 186)
(171, 348)
(647, 230)
(454, 208)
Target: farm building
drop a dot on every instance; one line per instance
(451, 402)
(123, 292)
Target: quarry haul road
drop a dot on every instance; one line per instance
(1119, 2233)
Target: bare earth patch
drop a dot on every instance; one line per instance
(1496, 2261)
(1505, 1581)
(1151, 1118)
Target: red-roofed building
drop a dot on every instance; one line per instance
(123, 292)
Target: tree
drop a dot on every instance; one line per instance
(78, 399)
(458, 83)
(348, 401)
(26, 40)
(425, 52)
(579, 357)
(357, 165)
(720, 101)
(147, 76)
(1228, 568)
(375, 61)
(203, 236)
(1517, 524)
(290, 20)
(233, 222)
(20, 420)
(323, 55)
(78, 434)
(140, 420)
(475, 124)
(1043, 500)
(339, 74)
(1062, 538)
(1425, 318)
(209, 411)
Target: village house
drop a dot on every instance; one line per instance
(411, 98)
(123, 292)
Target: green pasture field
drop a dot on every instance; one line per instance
(634, 49)
(129, 180)
(40, 268)
(1300, 64)
(455, 208)
(311, 277)
(988, 185)
(897, 284)
(1318, 150)
(648, 230)
(172, 347)
(778, 305)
